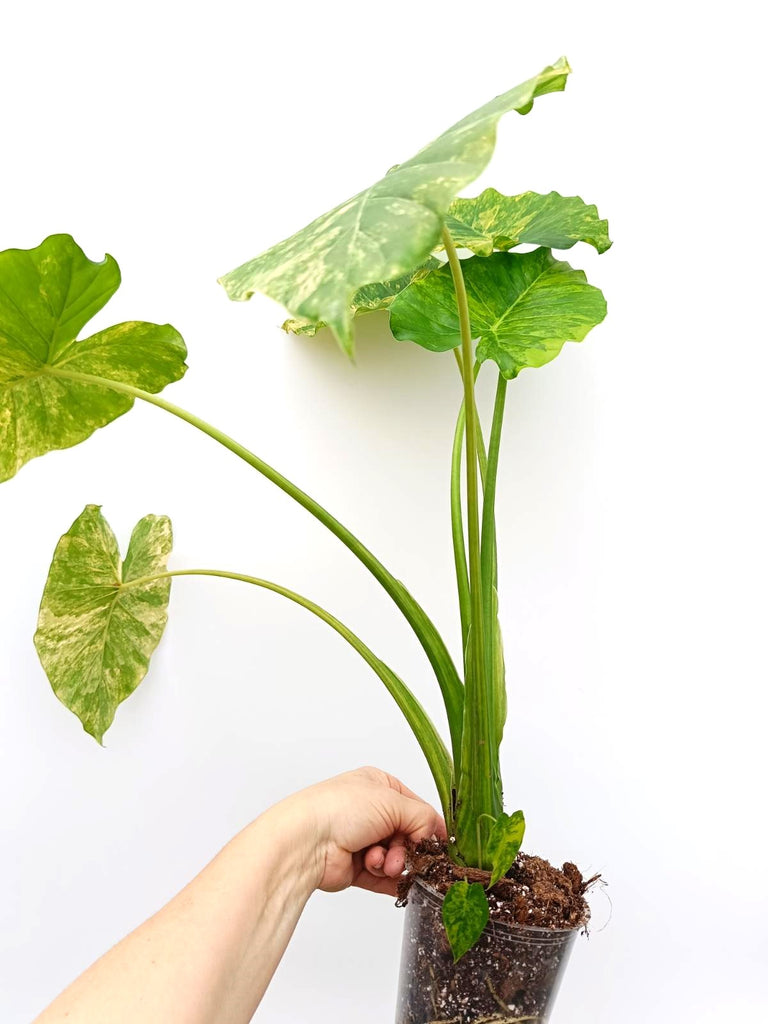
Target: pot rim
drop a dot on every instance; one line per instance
(534, 931)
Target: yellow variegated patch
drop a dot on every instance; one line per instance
(99, 623)
(465, 915)
(369, 298)
(388, 229)
(494, 221)
(504, 842)
(47, 295)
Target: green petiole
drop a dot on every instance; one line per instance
(431, 641)
(426, 734)
(479, 791)
(457, 519)
(488, 569)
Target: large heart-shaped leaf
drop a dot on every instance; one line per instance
(98, 623)
(523, 307)
(368, 298)
(504, 844)
(388, 229)
(494, 221)
(484, 223)
(465, 915)
(47, 295)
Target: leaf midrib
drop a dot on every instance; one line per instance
(507, 312)
(114, 602)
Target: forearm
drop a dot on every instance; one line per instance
(210, 953)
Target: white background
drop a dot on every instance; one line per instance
(185, 139)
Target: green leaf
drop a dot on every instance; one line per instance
(386, 230)
(523, 307)
(465, 915)
(47, 295)
(494, 221)
(504, 843)
(98, 625)
(369, 298)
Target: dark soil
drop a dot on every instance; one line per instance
(513, 972)
(533, 893)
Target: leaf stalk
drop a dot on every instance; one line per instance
(423, 728)
(425, 630)
(479, 790)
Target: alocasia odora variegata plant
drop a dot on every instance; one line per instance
(393, 246)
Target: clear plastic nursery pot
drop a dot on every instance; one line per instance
(511, 974)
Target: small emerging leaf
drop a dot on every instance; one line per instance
(95, 635)
(47, 295)
(523, 307)
(465, 915)
(504, 844)
(388, 229)
(494, 221)
(369, 298)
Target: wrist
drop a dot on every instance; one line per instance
(295, 843)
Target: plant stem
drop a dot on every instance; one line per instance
(441, 661)
(457, 533)
(479, 790)
(481, 456)
(494, 666)
(470, 412)
(437, 756)
(457, 522)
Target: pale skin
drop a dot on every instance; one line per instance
(208, 956)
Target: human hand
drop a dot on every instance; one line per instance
(357, 826)
(210, 952)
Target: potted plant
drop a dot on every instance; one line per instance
(488, 929)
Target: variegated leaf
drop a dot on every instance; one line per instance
(47, 295)
(494, 221)
(386, 230)
(369, 298)
(99, 624)
(465, 915)
(504, 844)
(523, 307)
